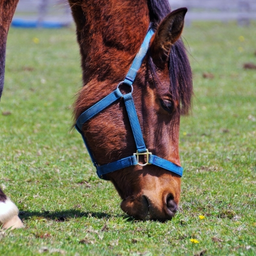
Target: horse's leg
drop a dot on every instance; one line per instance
(7, 9)
(9, 213)
(8, 210)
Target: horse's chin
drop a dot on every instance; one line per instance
(136, 206)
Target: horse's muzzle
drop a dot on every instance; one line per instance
(141, 207)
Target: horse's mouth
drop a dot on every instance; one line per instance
(147, 204)
(136, 206)
(142, 208)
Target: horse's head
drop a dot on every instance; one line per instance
(161, 91)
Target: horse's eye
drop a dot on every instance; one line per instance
(167, 105)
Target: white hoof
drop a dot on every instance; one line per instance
(9, 215)
(14, 222)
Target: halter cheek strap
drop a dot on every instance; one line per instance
(141, 150)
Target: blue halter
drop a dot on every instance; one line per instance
(142, 151)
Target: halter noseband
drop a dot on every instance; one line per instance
(142, 151)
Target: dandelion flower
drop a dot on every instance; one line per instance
(194, 241)
(201, 217)
(241, 38)
(240, 49)
(36, 40)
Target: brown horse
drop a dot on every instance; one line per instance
(110, 33)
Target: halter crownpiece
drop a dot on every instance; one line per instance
(141, 150)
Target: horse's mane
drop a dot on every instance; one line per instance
(181, 87)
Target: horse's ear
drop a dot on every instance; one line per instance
(168, 32)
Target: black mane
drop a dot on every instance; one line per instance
(158, 9)
(181, 87)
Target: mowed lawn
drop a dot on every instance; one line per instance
(67, 210)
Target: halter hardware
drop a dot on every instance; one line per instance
(145, 155)
(142, 157)
(130, 85)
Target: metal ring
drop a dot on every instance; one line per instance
(127, 85)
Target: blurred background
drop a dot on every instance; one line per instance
(42, 13)
(56, 13)
(218, 10)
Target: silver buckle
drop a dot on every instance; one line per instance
(147, 154)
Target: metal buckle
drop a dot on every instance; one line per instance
(147, 154)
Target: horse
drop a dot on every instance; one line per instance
(137, 81)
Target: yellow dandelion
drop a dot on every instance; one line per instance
(36, 40)
(194, 241)
(201, 217)
(240, 49)
(241, 38)
(184, 133)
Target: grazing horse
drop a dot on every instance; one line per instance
(128, 111)
(137, 82)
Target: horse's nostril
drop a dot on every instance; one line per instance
(171, 205)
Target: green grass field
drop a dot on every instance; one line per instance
(67, 210)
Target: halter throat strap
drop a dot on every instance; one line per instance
(141, 150)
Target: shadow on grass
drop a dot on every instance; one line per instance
(61, 216)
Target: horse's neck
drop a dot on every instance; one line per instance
(111, 36)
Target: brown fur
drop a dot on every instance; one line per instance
(109, 34)
(7, 9)
(3, 197)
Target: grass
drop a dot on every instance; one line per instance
(67, 210)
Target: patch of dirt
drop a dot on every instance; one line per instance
(227, 214)
(203, 252)
(249, 66)
(25, 68)
(6, 113)
(208, 75)
(216, 240)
